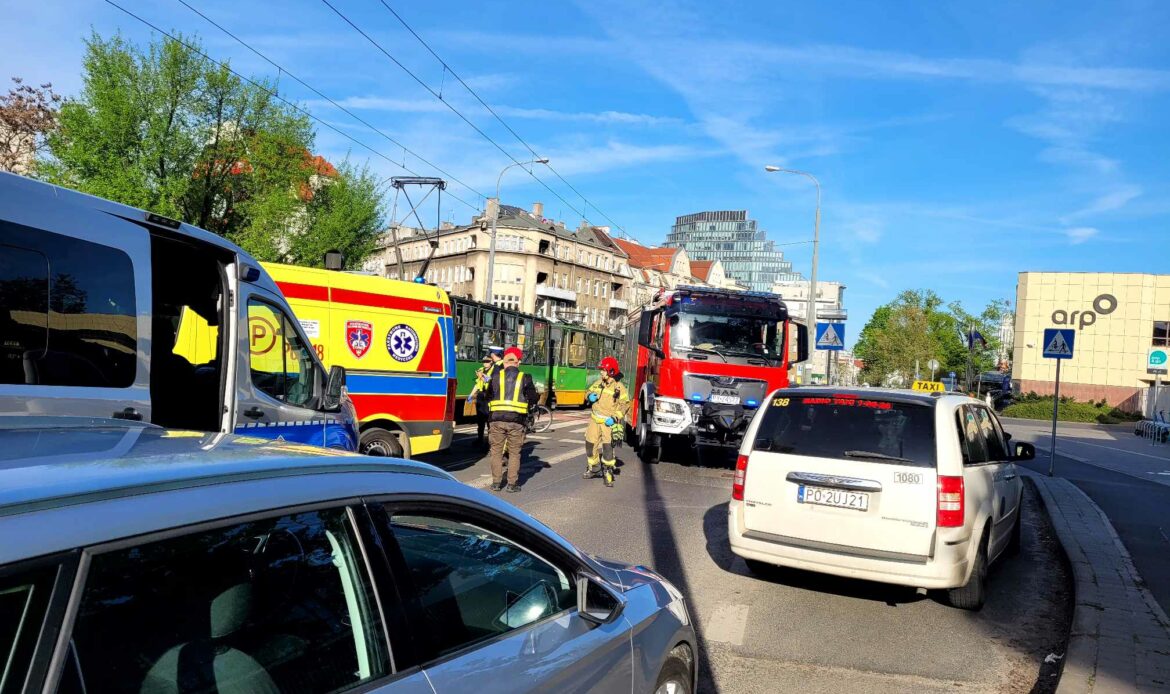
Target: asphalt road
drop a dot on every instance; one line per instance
(1127, 477)
(792, 629)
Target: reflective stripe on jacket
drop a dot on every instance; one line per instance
(505, 402)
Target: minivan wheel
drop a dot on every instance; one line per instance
(972, 595)
(380, 443)
(674, 678)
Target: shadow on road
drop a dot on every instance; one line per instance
(667, 561)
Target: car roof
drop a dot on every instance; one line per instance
(50, 462)
(893, 394)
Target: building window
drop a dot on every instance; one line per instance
(1161, 333)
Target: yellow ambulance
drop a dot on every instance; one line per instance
(396, 342)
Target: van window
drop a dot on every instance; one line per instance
(971, 434)
(67, 311)
(847, 426)
(281, 363)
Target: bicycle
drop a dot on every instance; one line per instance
(539, 420)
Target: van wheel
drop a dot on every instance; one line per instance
(382, 443)
(972, 595)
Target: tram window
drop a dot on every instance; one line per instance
(594, 350)
(538, 349)
(575, 350)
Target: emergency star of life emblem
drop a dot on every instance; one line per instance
(358, 336)
(402, 342)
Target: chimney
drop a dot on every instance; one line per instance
(538, 210)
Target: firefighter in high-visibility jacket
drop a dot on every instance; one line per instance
(610, 400)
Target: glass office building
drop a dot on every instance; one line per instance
(730, 237)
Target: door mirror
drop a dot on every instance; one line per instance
(332, 400)
(1023, 451)
(646, 329)
(798, 352)
(596, 601)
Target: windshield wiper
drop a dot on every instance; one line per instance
(876, 456)
(705, 350)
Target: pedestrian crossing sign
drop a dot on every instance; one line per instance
(1058, 343)
(830, 336)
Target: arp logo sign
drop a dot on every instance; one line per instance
(1103, 305)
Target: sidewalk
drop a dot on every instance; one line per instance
(1120, 637)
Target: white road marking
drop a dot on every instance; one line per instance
(1115, 449)
(727, 624)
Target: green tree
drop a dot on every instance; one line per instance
(167, 130)
(917, 326)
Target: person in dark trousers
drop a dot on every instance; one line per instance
(510, 396)
(483, 376)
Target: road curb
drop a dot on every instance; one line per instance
(1119, 640)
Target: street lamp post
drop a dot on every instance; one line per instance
(812, 282)
(491, 271)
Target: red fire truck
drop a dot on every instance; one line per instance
(705, 360)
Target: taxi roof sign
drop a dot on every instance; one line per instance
(928, 387)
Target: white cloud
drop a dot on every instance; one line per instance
(1079, 235)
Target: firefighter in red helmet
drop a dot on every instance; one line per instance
(609, 400)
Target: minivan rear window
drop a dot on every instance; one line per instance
(67, 311)
(850, 427)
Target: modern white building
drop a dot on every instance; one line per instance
(830, 308)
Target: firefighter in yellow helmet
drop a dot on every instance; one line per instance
(610, 400)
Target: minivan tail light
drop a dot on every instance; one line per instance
(950, 501)
(740, 475)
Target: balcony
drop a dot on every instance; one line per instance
(556, 293)
(618, 305)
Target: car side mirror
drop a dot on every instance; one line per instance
(801, 344)
(596, 601)
(1024, 451)
(763, 444)
(332, 400)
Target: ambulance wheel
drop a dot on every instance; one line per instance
(383, 443)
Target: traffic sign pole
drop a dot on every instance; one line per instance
(1058, 345)
(1055, 405)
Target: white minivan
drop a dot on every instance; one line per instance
(883, 485)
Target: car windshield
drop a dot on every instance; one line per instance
(726, 335)
(849, 426)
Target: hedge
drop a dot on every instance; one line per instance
(1041, 408)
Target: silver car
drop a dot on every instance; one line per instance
(137, 559)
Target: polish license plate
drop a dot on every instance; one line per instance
(841, 498)
(725, 398)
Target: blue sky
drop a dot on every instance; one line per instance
(957, 143)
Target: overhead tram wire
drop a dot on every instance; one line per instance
(454, 110)
(497, 116)
(336, 105)
(290, 104)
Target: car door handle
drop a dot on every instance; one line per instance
(254, 413)
(129, 413)
(1010, 476)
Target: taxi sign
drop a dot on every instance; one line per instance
(928, 387)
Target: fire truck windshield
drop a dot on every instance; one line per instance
(727, 335)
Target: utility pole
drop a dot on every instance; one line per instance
(812, 283)
(491, 270)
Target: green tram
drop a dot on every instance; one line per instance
(564, 355)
